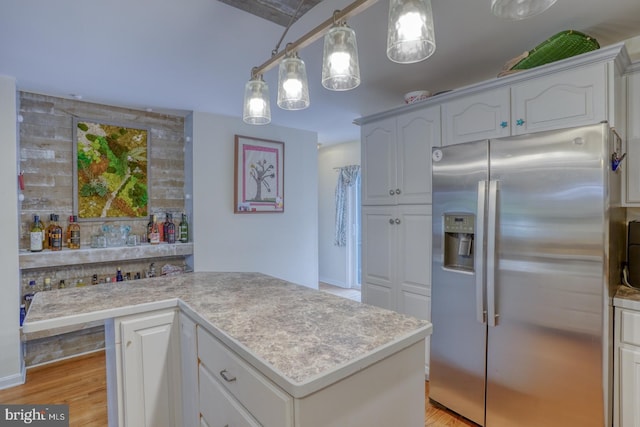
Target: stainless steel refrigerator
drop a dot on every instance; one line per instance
(527, 244)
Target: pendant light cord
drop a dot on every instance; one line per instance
(275, 50)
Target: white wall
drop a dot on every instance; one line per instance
(11, 368)
(332, 259)
(284, 245)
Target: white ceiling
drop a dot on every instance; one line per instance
(197, 54)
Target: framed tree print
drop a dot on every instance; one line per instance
(259, 175)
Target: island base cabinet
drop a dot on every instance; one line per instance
(145, 361)
(387, 393)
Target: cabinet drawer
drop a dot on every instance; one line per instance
(271, 406)
(630, 327)
(218, 407)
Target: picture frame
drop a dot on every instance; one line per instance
(258, 175)
(110, 170)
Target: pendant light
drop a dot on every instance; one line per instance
(410, 36)
(257, 110)
(519, 9)
(293, 89)
(340, 68)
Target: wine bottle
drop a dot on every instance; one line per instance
(169, 229)
(36, 235)
(154, 235)
(184, 229)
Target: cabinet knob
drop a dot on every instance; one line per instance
(391, 221)
(503, 124)
(225, 375)
(397, 221)
(391, 192)
(398, 191)
(519, 122)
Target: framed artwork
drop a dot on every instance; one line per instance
(259, 175)
(111, 170)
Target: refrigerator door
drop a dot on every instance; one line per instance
(544, 354)
(458, 343)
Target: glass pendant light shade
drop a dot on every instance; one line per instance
(293, 89)
(519, 9)
(410, 36)
(257, 110)
(340, 68)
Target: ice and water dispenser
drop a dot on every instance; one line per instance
(458, 241)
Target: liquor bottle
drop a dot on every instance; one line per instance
(73, 233)
(47, 233)
(62, 284)
(47, 284)
(149, 226)
(169, 229)
(28, 297)
(36, 235)
(184, 229)
(55, 234)
(23, 313)
(119, 277)
(94, 279)
(154, 234)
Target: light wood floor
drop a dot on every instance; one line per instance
(81, 383)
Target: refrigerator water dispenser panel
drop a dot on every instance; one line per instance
(458, 241)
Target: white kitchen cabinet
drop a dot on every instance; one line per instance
(396, 158)
(627, 368)
(631, 166)
(565, 99)
(148, 370)
(189, 364)
(396, 259)
(475, 117)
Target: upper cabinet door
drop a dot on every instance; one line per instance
(631, 169)
(476, 117)
(379, 162)
(418, 132)
(562, 100)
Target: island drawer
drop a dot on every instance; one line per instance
(629, 330)
(218, 407)
(270, 405)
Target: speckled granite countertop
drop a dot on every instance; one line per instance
(300, 338)
(627, 297)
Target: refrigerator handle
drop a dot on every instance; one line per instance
(491, 252)
(481, 313)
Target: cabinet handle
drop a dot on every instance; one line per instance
(519, 122)
(128, 343)
(397, 221)
(398, 191)
(391, 192)
(224, 374)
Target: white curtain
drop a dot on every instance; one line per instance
(347, 176)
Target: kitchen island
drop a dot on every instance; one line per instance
(247, 347)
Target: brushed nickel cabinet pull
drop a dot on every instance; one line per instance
(224, 374)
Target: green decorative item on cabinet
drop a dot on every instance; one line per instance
(564, 44)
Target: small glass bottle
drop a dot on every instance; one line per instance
(169, 229)
(47, 284)
(62, 284)
(80, 283)
(73, 233)
(94, 279)
(184, 229)
(36, 235)
(28, 297)
(119, 277)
